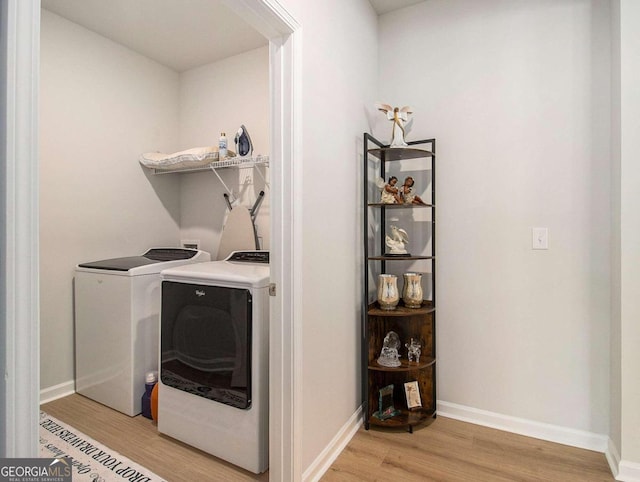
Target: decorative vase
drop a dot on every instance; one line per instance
(388, 296)
(412, 291)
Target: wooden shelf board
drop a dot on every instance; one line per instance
(406, 418)
(404, 367)
(400, 206)
(401, 310)
(399, 258)
(399, 153)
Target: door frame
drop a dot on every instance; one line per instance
(19, 284)
(19, 243)
(285, 337)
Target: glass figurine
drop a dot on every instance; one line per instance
(389, 355)
(413, 350)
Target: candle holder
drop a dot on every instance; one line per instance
(388, 296)
(412, 291)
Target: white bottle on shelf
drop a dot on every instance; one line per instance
(222, 146)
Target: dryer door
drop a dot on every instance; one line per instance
(206, 341)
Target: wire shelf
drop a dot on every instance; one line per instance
(213, 166)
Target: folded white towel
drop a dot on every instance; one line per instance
(190, 158)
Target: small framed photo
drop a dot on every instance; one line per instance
(412, 391)
(386, 409)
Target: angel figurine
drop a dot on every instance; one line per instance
(399, 117)
(389, 193)
(397, 240)
(408, 196)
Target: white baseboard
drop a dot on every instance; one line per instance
(622, 470)
(628, 471)
(613, 457)
(322, 463)
(529, 428)
(58, 391)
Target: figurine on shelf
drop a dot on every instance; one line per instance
(389, 355)
(397, 241)
(408, 197)
(399, 117)
(389, 193)
(413, 351)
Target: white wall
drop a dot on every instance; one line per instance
(517, 95)
(630, 237)
(101, 106)
(615, 417)
(215, 98)
(339, 81)
(624, 449)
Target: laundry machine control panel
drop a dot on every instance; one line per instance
(249, 256)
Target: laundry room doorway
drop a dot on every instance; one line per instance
(21, 404)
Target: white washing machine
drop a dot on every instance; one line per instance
(213, 392)
(117, 324)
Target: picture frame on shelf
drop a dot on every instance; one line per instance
(386, 408)
(412, 392)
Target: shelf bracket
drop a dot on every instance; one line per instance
(239, 163)
(226, 188)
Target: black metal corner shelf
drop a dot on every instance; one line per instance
(406, 321)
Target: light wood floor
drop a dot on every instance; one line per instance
(446, 450)
(138, 439)
(450, 450)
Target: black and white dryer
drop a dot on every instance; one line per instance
(214, 362)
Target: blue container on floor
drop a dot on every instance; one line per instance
(151, 380)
